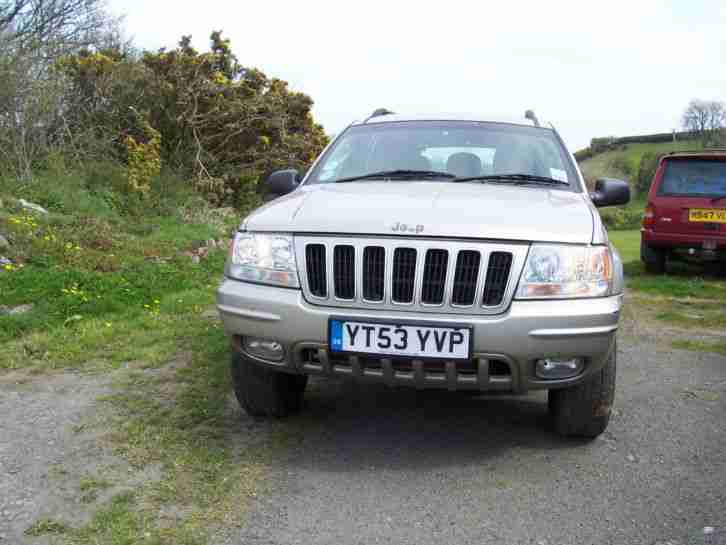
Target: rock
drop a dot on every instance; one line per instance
(20, 309)
(195, 259)
(4, 243)
(32, 206)
(211, 314)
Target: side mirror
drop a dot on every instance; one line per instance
(610, 192)
(282, 182)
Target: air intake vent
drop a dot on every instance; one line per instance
(434, 278)
(465, 279)
(404, 274)
(315, 258)
(374, 268)
(497, 276)
(344, 271)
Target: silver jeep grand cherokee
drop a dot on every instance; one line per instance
(431, 252)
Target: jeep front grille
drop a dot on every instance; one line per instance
(426, 275)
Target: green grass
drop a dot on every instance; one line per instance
(701, 346)
(113, 291)
(684, 297)
(44, 527)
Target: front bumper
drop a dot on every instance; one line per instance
(527, 331)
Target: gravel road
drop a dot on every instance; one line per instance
(383, 466)
(402, 467)
(38, 435)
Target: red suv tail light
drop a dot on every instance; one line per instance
(649, 216)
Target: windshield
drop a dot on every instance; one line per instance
(459, 148)
(694, 178)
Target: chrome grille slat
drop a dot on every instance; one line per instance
(409, 274)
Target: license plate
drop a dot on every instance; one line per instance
(710, 215)
(400, 339)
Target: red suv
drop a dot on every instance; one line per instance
(686, 210)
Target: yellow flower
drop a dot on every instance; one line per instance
(108, 324)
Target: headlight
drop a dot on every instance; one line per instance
(556, 272)
(265, 258)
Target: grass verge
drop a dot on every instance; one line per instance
(685, 297)
(128, 296)
(718, 347)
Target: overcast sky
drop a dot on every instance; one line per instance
(593, 68)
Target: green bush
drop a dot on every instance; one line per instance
(621, 164)
(583, 154)
(622, 218)
(646, 170)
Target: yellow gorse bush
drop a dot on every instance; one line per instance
(144, 159)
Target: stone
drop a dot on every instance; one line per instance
(20, 309)
(32, 206)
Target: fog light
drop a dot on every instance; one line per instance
(263, 348)
(555, 368)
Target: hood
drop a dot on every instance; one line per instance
(430, 209)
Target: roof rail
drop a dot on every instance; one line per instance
(697, 151)
(529, 114)
(378, 112)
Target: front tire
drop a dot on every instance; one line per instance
(584, 410)
(265, 392)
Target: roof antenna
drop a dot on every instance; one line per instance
(378, 112)
(529, 114)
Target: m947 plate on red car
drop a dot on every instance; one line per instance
(400, 339)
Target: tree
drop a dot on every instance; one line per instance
(33, 35)
(716, 119)
(705, 119)
(51, 26)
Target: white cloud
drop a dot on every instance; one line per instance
(594, 68)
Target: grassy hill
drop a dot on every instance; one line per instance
(624, 163)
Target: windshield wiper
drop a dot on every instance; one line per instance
(716, 199)
(515, 178)
(397, 174)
